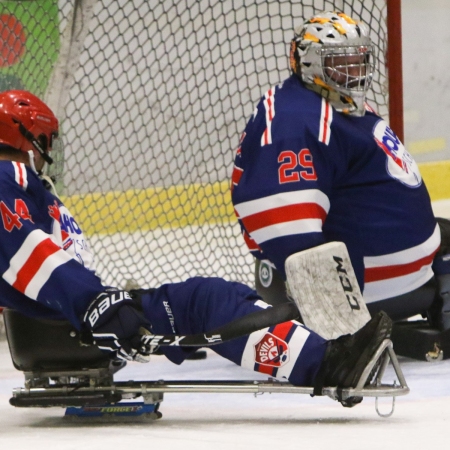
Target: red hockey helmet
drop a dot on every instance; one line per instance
(27, 123)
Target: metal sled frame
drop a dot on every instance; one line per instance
(96, 386)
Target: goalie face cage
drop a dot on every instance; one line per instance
(153, 97)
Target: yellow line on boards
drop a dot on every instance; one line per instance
(437, 178)
(427, 146)
(148, 209)
(195, 204)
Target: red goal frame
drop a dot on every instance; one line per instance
(394, 63)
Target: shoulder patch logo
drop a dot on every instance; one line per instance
(265, 274)
(399, 164)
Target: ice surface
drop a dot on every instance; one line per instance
(240, 421)
(237, 421)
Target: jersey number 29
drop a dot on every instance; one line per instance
(294, 167)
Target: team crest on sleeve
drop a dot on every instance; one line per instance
(271, 351)
(399, 164)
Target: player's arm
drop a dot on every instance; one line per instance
(37, 268)
(282, 199)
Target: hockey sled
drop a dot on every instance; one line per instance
(60, 372)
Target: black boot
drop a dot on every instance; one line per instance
(439, 313)
(347, 356)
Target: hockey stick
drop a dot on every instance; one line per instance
(237, 328)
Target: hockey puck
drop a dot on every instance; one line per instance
(199, 354)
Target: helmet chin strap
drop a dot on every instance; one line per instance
(338, 100)
(30, 136)
(40, 173)
(31, 158)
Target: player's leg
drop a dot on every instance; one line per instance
(439, 313)
(407, 305)
(286, 351)
(203, 304)
(432, 300)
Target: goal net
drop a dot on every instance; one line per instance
(152, 97)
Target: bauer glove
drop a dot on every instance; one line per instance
(116, 326)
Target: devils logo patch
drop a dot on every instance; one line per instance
(271, 351)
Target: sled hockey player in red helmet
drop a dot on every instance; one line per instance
(48, 271)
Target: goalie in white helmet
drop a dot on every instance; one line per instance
(333, 55)
(316, 164)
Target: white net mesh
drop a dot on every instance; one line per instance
(153, 96)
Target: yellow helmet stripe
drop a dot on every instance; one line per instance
(347, 18)
(310, 37)
(322, 83)
(340, 28)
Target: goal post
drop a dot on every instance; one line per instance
(394, 62)
(152, 97)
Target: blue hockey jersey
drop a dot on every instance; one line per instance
(47, 272)
(306, 174)
(46, 266)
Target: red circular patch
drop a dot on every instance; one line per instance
(12, 40)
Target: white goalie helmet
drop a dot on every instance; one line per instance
(334, 56)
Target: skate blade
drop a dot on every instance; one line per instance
(120, 411)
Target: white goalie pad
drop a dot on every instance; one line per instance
(324, 287)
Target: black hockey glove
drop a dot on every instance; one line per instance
(116, 326)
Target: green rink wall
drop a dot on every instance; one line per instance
(29, 65)
(193, 205)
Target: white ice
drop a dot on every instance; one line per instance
(240, 421)
(237, 421)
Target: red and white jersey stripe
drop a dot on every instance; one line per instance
(236, 176)
(20, 174)
(326, 117)
(269, 105)
(284, 214)
(295, 346)
(251, 244)
(397, 273)
(34, 262)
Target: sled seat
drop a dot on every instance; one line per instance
(48, 345)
